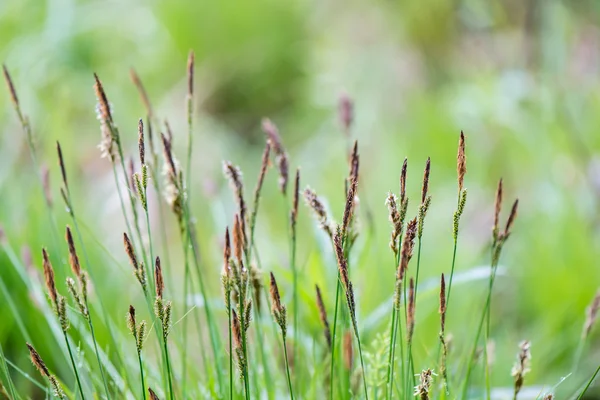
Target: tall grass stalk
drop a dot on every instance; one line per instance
(11, 386)
(74, 366)
(589, 383)
(280, 315)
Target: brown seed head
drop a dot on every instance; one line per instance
(410, 322)
(190, 73)
(443, 302)
(461, 161)
(281, 156)
(425, 189)
(172, 169)
(49, 277)
(311, 199)
(323, 316)
(46, 184)
(235, 328)
(73, 258)
(152, 395)
(511, 219)
(408, 245)
(131, 321)
(102, 100)
(341, 258)
(37, 361)
(238, 238)
(264, 165)
(160, 284)
(346, 112)
(294, 213)
(234, 174)
(226, 254)
(142, 92)
(11, 87)
(61, 163)
(141, 146)
(130, 252)
(403, 180)
(497, 209)
(521, 367)
(354, 162)
(349, 209)
(276, 306)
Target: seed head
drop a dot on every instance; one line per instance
(346, 112)
(279, 311)
(37, 361)
(264, 165)
(141, 146)
(142, 92)
(73, 258)
(354, 162)
(160, 285)
(461, 162)
(521, 367)
(497, 209)
(349, 209)
(227, 254)
(311, 199)
(410, 322)
(294, 212)
(234, 174)
(46, 184)
(394, 216)
(11, 87)
(61, 163)
(190, 74)
(323, 316)
(511, 219)
(407, 248)
(131, 324)
(49, 278)
(281, 157)
(78, 300)
(152, 395)
(426, 379)
(442, 309)
(425, 189)
(403, 180)
(103, 104)
(130, 252)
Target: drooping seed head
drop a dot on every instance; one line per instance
(61, 163)
(158, 276)
(311, 199)
(37, 361)
(461, 162)
(73, 258)
(49, 278)
(323, 316)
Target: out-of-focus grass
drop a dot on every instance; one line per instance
(520, 79)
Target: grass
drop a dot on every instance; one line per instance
(267, 366)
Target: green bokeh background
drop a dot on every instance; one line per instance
(521, 78)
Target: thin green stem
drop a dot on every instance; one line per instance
(9, 381)
(333, 343)
(142, 375)
(585, 389)
(390, 369)
(91, 325)
(168, 362)
(362, 363)
(287, 367)
(244, 350)
(74, 366)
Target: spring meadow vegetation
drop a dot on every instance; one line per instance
(256, 340)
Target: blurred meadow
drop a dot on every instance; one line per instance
(520, 78)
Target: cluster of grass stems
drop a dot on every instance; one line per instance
(252, 352)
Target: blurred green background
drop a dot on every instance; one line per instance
(521, 78)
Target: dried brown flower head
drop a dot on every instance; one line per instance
(11, 87)
(279, 311)
(160, 284)
(238, 239)
(141, 146)
(346, 112)
(497, 209)
(37, 361)
(49, 278)
(425, 189)
(461, 161)
(521, 367)
(103, 104)
(152, 395)
(61, 163)
(73, 258)
(130, 252)
(442, 309)
(311, 199)
(190, 73)
(350, 203)
(281, 157)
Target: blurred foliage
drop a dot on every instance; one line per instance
(521, 78)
